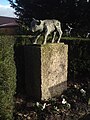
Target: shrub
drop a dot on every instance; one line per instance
(7, 77)
(79, 60)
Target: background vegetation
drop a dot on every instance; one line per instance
(78, 59)
(74, 12)
(7, 77)
(78, 79)
(78, 102)
(77, 14)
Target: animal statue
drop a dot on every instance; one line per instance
(47, 27)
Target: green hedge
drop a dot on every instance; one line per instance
(7, 77)
(78, 59)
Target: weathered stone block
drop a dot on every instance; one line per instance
(46, 70)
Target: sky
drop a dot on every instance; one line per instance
(5, 9)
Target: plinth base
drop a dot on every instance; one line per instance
(46, 70)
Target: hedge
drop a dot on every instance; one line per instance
(7, 77)
(78, 60)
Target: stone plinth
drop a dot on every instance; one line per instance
(46, 70)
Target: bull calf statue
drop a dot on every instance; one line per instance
(47, 27)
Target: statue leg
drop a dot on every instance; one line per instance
(46, 35)
(54, 34)
(60, 34)
(37, 37)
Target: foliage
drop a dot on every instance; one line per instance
(74, 107)
(74, 102)
(7, 77)
(76, 96)
(67, 11)
(79, 60)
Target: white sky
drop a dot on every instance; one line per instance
(5, 9)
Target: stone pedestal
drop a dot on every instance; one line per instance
(46, 70)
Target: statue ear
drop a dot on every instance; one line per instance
(38, 22)
(34, 19)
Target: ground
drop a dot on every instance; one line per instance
(73, 104)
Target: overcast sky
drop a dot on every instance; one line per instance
(5, 9)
